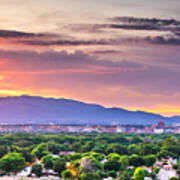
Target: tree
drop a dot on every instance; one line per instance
(165, 154)
(12, 163)
(112, 165)
(139, 174)
(112, 174)
(173, 178)
(145, 149)
(124, 160)
(87, 147)
(149, 160)
(126, 174)
(135, 160)
(90, 176)
(37, 170)
(90, 164)
(133, 149)
(99, 148)
(98, 156)
(67, 174)
(101, 173)
(136, 140)
(114, 156)
(116, 148)
(56, 148)
(40, 151)
(59, 165)
(3, 150)
(48, 161)
(74, 156)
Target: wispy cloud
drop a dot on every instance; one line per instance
(27, 61)
(18, 34)
(62, 42)
(134, 23)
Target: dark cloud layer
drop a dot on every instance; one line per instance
(164, 41)
(106, 52)
(130, 23)
(170, 26)
(145, 24)
(62, 42)
(18, 34)
(51, 60)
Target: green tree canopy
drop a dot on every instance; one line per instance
(37, 170)
(12, 163)
(149, 160)
(40, 151)
(139, 174)
(59, 165)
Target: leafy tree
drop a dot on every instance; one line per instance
(173, 178)
(145, 149)
(112, 165)
(136, 140)
(133, 149)
(99, 148)
(166, 154)
(135, 160)
(90, 164)
(156, 170)
(88, 146)
(59, 166)
(3, 150)
(67, 174)
(114, 156)
(112, 174)
(90, 176)
(37, 170)
(74, 156)
(40, 151)
(98, 156)
(76, 146)
(24, 143)
(170, 141)
(139, 174)
(124, 160)
(149, 160)
(126, 174)
(102, 174)
(12, 163)
(116, 148)
(56, 148)
(48, 161)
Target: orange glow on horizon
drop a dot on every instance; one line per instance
(1, 77)
(167, 111)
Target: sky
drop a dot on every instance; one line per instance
(117, 53)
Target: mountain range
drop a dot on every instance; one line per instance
(40, 110)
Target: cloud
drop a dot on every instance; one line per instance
(18, 34)
(62, 42)
(129, 23)
(161, 40)
(101, 52)
(31, 61)
(133, 23)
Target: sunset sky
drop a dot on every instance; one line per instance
(119, 53)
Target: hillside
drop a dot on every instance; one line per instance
(37, 110)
